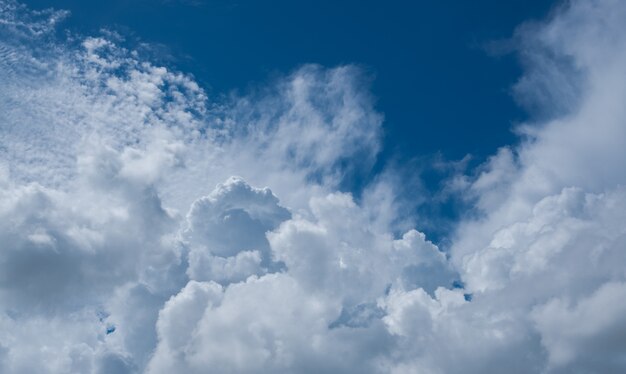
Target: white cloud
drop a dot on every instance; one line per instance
(101, 150)
(101, 270)
(226, 232)
(595, 325)
(551, 229)
(340, 252)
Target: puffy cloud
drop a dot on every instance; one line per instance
(595, 324)
(549, 242)
(318, 311)
(226, 232)
(84, 266)
(342, 252)
(178, 320)
(271, 324)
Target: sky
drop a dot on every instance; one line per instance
(434, 68)
(424, 57)
(337, 187)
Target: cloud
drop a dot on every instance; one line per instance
(595, 325)
(226, 232)
(102, 150)
(129, 246)
(550, 230)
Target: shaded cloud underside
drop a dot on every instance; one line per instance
(119, 256)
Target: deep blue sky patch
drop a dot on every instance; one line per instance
(439, 89)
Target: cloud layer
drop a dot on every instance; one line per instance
(146, 227)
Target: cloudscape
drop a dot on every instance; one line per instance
(149, 225)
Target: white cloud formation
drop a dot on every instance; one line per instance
(226, 232)
(552, 233)
(119, 255)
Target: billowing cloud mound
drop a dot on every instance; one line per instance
(128, 244)
(227, 229)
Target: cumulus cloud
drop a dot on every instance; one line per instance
(552, 233)
(146, 227)
(226, 232)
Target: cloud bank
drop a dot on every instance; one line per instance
(146, 227)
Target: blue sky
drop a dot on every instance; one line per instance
(433, 74)
(312, 187)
